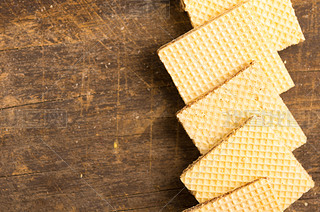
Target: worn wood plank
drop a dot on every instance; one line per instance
(88, 110)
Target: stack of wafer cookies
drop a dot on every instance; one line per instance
(205, 57)
(228, 72)
(276, 18)
(246, 154)
(218, 112)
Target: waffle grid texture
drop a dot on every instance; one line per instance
(216, 114)
(250, 153)
(276, 18)
(255, 196)
(205, 57)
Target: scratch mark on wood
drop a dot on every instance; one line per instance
(126, 83)
(43, 73)
(147, 84)
(118, 106)
(151, 125)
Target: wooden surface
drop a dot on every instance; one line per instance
(88, 110)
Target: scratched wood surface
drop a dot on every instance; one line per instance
(88, 110)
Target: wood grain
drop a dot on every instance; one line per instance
(88, 110)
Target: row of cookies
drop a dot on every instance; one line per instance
(229, 73)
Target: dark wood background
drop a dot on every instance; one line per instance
(88, 110)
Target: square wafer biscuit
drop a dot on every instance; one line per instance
(218, 112)
(251, 152)
(205, 57)
(276, 18)
(254, 196)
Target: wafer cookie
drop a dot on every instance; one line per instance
(249, 153)
(205, 57)
(276, 18)
(218, 112)
(254, 196)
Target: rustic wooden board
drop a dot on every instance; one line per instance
(88, 110)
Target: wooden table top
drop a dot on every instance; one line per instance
(88, 110)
